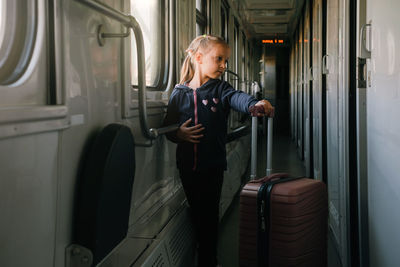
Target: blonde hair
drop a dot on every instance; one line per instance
(201, 42)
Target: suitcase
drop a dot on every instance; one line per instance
(283, 220)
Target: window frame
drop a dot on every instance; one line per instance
(19, 117)
(243, 60)
(161, 82)
(225, 29)
(236, 50)
(202, 17)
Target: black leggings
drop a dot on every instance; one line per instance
(203, 192)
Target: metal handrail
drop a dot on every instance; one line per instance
(237, 133)
(164, 130)
(234, 74)
(130, 22)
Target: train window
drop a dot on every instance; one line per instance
(236, 50)
(224, 27)
(225, 21)
(243, 63)
(26, 70)
(201, 6)
(235, 116)
(248, 72)
(18, 22)
(152, 16)
(201, 17)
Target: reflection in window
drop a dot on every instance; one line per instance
(151, 16)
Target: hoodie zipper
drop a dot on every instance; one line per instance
(195, 123)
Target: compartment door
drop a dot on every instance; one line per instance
(300, 80)
(336, 66)
(307, 94)
(316, 76)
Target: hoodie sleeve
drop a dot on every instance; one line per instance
(172, 116)
(237, 100)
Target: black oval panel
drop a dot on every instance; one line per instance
(105, 191)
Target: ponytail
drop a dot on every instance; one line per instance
(187, 70)
(200, 42)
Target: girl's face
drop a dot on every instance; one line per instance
(213, 63)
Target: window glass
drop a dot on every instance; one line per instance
(200, 5)
(151, 17)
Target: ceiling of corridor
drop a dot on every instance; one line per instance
(269, 18)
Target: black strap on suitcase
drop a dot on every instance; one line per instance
(264, 211)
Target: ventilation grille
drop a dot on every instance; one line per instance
(158, 257)
(176, 247)
(180, 242)
(159, 261)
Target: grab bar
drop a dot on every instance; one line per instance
(131, 22)
(233, 73)
(163, 130)
(237, 133)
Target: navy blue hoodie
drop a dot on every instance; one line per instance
(209, 105)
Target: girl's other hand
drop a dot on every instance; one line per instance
(268, 108)
(190, 134)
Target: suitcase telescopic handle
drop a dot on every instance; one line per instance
(268, 171)
(253, 172)
(254, 123)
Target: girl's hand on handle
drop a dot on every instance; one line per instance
(190, 134)
(268, 108)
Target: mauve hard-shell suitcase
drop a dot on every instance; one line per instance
(283, 220)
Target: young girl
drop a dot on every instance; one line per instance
(200, 103)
